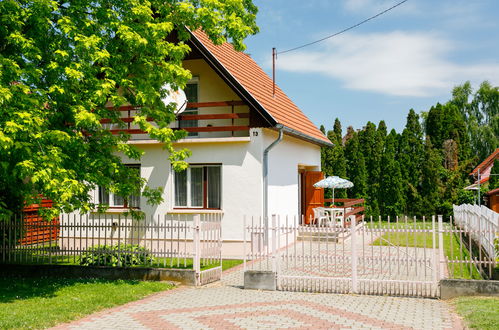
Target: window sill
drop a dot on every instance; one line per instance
(194, 211)
(116, 210)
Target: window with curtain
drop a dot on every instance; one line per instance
(199, 187)
(112, 200)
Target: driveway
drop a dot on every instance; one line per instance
(225, 305)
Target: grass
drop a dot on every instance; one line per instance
(452, 247)
(27, 303)
(478, 312)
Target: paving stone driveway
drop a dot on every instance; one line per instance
(226, 306)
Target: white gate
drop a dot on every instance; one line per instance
(403, 257)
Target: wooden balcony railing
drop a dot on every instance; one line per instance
(184, 117)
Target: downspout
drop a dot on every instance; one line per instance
(266, 183)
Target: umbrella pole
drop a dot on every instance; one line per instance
(333, 198)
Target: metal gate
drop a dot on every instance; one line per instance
(403, 257)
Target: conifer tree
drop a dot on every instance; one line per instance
(430, 178)
(391, 188)
(410, 160)
(356, 166)
(369, 144)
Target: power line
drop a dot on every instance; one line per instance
(344, 30)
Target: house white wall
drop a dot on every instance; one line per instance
(285, 159)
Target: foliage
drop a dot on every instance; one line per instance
(121, 255)
(480, 110)
(391, 198)
(410, 159)
(423, 170)
(356, 166)
(65, 65)
(35, 303)
(479, 312)
(333, 158)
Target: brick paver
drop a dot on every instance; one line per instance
(226, 305)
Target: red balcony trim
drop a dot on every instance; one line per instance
(188, 129)
(189, 105)
(214, 116)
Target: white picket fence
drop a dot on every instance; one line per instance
(387, 256)
(482, 224)
(168, 241)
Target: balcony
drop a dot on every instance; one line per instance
(201, 120)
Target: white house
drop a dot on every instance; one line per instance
(238, 132)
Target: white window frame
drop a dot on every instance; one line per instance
(188, 192)
(111, 195)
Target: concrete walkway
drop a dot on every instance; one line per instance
(226, 306)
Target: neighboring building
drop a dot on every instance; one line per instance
(232, 118)
(482, 171)
(493, 202)
(482, 174)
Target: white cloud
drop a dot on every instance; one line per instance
(376, 6)
(396, 63)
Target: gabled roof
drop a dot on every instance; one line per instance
(255, 85)
(487, 162)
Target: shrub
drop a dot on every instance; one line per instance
(121, 255)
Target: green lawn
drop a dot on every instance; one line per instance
(27, 303)
(478, 312)
(452, 247)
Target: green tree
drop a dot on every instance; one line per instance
(430, 179)
(411, 152)
(333, 158)
(391, 183)
(481, 112)
(371, 147)
(63, 63)
(356, 166)
(444, 123)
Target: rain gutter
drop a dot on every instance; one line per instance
(266, 182)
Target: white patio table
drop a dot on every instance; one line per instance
(336, 213)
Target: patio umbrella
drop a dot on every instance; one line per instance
(333, 182)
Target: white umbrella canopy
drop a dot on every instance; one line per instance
(333, 182)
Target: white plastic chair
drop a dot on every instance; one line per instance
(321, 216)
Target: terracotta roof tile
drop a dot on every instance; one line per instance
(487, 161)
(250, 76)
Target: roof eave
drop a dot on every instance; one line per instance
(306, 137)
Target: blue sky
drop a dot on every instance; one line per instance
(411, 57)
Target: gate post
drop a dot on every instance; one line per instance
(197, 248)
(441, 255)
(353, 230)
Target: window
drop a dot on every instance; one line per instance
(112, 200)
(199, 187)
(191, 92)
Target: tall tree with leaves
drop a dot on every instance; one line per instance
(444, 123)
(63, 63)
(430, 178)
(371, 149)
(356, 166)
(391, 183)
(481, 112)
(411, 152)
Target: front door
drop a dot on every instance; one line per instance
(311, 197)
